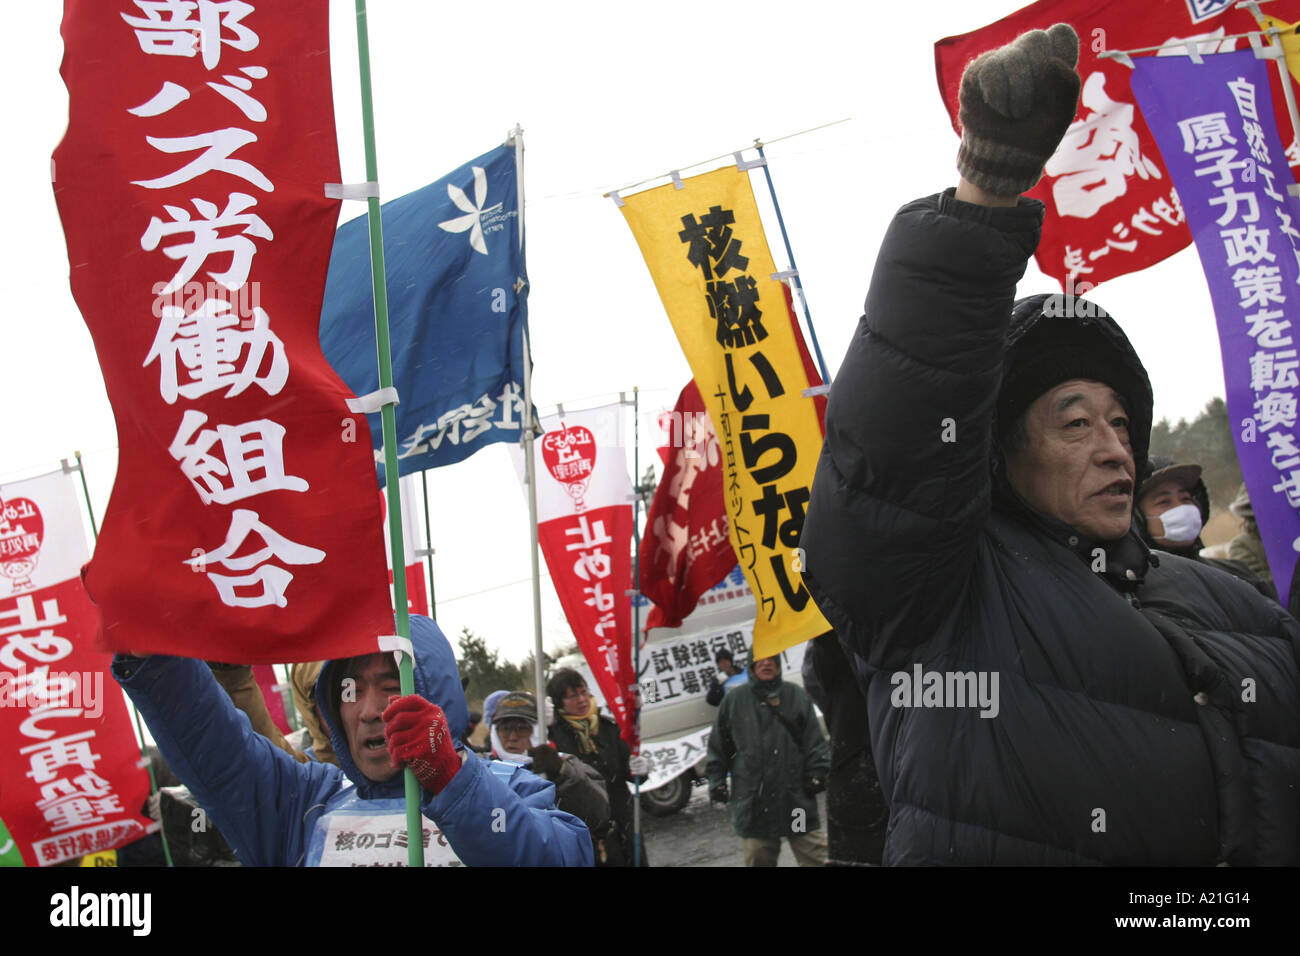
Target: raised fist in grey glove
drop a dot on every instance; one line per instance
(1016, 104)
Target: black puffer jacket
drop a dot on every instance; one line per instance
(1121, 735)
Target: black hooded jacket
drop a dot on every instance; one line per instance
(1145, 713)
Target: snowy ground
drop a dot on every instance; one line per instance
(700, 835)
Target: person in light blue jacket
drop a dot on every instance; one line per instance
(274, 811)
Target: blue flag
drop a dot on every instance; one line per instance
(457, 294)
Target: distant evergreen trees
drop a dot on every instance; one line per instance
(1205, 441)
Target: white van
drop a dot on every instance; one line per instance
(676, 664)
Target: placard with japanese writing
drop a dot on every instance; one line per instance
(674, 671)
(244, 524)
(1214, 123)
(368, 837)
(668, 759)
(70, 780)
(708, 256)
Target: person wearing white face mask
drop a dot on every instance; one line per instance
(1174, 505)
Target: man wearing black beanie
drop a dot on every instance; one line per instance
(1042, 690)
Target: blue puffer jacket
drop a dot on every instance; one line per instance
(274, 811)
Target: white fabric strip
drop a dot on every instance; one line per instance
(816, 390)
(351, 190)
(373, 402)
(398, 645)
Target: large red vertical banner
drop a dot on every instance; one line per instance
(244, 525)
(70, 775)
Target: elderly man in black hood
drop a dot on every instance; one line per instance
(1042, 689)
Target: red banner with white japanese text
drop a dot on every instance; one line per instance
(1111, 205)
(584, 527)
(686, 548)
(70, 775)
(244, 524)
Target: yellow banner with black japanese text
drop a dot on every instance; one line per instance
(708, 256)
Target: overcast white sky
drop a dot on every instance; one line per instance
(607, 95)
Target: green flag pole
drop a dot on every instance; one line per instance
(139, 729)
(414, 826)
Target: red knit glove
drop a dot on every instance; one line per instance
(418, 737)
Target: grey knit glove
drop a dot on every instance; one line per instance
(1016, 104)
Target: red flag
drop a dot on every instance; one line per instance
(191, 183)
(70, 775)
(584, 527)
(417, 593)
(814, 376)
(1111, 205)
(267, 682)
(686, 549)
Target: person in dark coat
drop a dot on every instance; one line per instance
(766, 737)
(1173, 505)
(580, 729)
(1042, 689)
(856, 811)
(719, 684)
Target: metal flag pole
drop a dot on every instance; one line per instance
(530, 470)
(530, 431)
(85, 490)
(139, 727)
(1277, 52)
(794, 269)
(415, 846)
(428, 544)
(635, 689)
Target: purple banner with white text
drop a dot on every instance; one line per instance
(1213, 121)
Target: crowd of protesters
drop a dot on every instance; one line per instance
(1143, 702)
